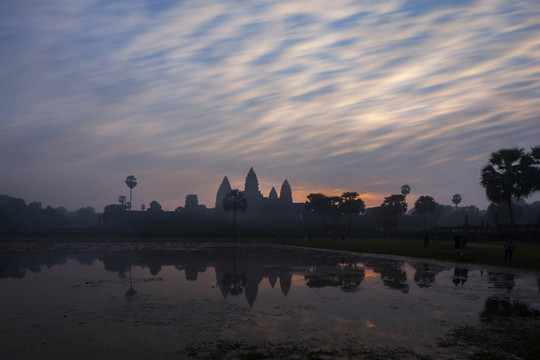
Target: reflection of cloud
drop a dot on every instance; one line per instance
(337, 95)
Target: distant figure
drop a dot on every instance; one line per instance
(463, 244)
(426, 240)
(509, 247)
(457, 243)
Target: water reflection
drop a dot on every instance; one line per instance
(115, 299)
(426, 273)
(242, 270)
(461, 274)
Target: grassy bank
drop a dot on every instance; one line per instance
(526, 256)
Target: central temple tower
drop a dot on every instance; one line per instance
(252, 194)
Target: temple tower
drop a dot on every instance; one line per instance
(285, 195)
(224, 189)
(273, 195)
(252, 193)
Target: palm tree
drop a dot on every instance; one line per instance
(509, 174)
(351, 204)
(131, 182)
(535, 177)
(405, 190)
(234, 201)
(122, 200)
(456, 199)
(423, 205)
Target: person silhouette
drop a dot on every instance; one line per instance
(457, 243)
(509, 247)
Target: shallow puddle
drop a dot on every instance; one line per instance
(224, 301)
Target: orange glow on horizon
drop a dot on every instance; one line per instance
(370, 199)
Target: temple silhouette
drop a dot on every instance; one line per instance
(255, 199)
(272, 213)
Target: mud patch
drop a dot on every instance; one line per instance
(496, 338)
(291, 350)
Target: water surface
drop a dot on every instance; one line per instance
(145, 302)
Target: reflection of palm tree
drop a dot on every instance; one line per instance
(233, 283)
(235, 201)
(130, 294)
(131, 182)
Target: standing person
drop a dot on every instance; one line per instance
(509, 246)
(463, 244)
(457, 243)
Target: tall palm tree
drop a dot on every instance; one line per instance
(508, 175)
(456, 199)
(234, 201)
(131, 182)
(351, 204)
(423, 205)
(405, 190)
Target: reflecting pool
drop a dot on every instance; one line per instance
(144, 301)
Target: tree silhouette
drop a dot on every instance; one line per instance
(351, 204)
(456, 199)
(509, 174)
(323, 205)
(131, 182)
(394, 205)
(234, 201)
(423, 205)
(122, 200)
(154, 206)
(405, 190)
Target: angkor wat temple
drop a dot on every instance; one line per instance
(271, 213)
(255, 199)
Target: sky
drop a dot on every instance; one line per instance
(333, 96)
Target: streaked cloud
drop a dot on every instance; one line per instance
(364, 96)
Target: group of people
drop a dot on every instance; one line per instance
(460, 243)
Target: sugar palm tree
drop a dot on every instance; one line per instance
(234, 201)
(456, 199)
(509, 174)
(131, 182)
(405, 190)
(122, 200)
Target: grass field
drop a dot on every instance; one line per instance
(526, 256)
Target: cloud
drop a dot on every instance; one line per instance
(333, 96)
